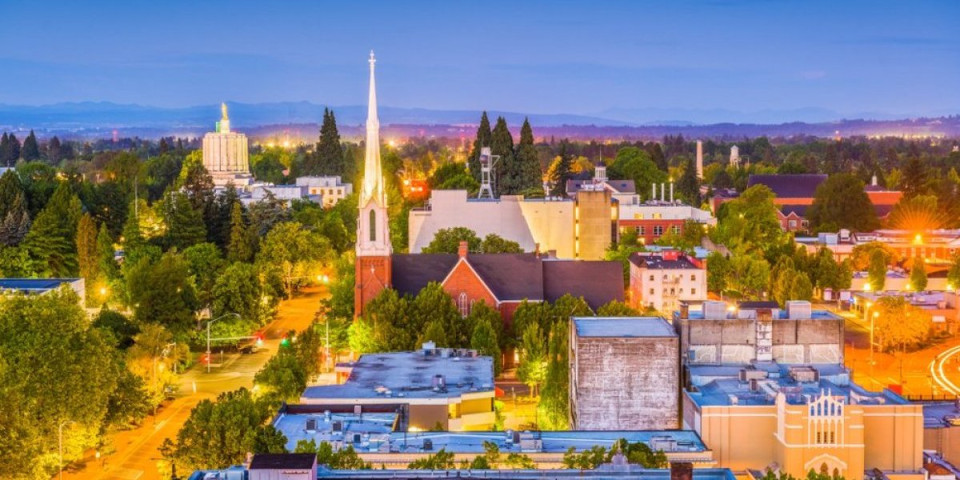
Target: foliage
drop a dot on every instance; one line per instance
(442, 460)
(633, 163)
(88, 260)
(220, 433)
(447, 240)
(121, 329)
(343, 459)
(918, 274)
(494, 243)
(617, 309)
(238, 290)
(560, 170)
(185, 226)
(205, 266)
(877, 271)
(484, 341)
(899, 324)
(162, 292)
(52, 238)
(54, 368)
(841, 202)
(482, 140)
(283, 375)
(292, 253)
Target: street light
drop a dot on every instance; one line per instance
(210, 322)
(60, 444)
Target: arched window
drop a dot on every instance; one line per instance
(463, 304)
(373, 225)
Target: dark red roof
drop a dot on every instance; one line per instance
(794, 185)
(516, 276)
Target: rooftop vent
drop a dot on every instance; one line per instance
(427, 444)
(311, 425)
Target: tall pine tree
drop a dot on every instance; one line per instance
(482, 140)
(10, 189)
(30, 150)
(185, 225)
(238, 250)
(105, 255)
(560, 170)
(16, 222)
(528, 163)
(507, 174)
(329, 151)
(688, 186)
(52, 238)
(5, 157)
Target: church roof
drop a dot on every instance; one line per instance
(516, 276)
(794, 185)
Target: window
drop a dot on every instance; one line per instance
(693, 278)
(641, 230)
(676, 229)
(373, 225)
(651, 291)
(657, 230)
(657, 216)
(693, 291)
(792, 224)
(463, 304)
(651, 278)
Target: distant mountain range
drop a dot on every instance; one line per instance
(96, 119)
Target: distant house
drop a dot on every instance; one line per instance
(331, 189)
(662, 280)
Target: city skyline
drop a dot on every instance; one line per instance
(793, 60)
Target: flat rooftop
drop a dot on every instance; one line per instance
(662, 262)
(601, 473)
(778, 314)
(334, 427)
(630, 327)
(720, 385)
(941, 414)
(34, 285)
(409, 375)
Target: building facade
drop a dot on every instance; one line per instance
(330, 189)
(624, 374)
(662, 280)
(759, 332)
(226, 154)
(797, 418)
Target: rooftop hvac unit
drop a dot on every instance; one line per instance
(357, 438)
(714, 310)
(311, 424)
(338, 426)
(799, 309)
(427, 444)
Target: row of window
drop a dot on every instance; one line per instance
(657, 230)
(673, 291)
(693, 277)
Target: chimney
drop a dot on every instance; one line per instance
(684, 310)
(681, 471)
(671, 191)
(536, 249)
(873, 180)
(663, 196)
(463, 249)
(653, 194)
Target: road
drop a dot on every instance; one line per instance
(943, 370)
(136, 452)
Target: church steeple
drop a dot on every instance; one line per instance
(373, 263)
(372, 174)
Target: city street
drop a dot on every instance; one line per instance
(136, 452)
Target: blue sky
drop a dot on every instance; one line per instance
(851, 57)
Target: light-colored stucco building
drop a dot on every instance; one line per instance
(330, 189)
(662, 280)
(801, 417)
(580, 228)
(226, 154)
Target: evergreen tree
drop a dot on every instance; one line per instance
(507, 171)
(14, 149)
(184, 223)
(87, 254)
(484, 341)
(689, 185)
(218, 232)
(918, 274)
(30, 150)
(528, 163)
(656, 154)
(5, 153)
(54, 151)
(164, 147)
(914, 181)
(482, 140)
(877, 271)
(52, 238)
(10, 189)
(239, 250)
(560, 170)
(16, 222)
(329, 151)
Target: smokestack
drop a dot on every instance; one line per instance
(653, 194)
(663, 196)
(671, 192)
(699, 160)
(873, 181)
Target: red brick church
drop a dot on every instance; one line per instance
(500, 280)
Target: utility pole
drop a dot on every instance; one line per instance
(210, 322)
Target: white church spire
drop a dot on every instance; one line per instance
(372, 174)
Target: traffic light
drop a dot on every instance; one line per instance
(206, 359)
(285, 341)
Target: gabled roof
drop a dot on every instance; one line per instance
(598, 282)
(515, 276)
(794, 185)
(800, 210)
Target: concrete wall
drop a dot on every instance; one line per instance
(734, 340)
(425, 417)
(624, 383)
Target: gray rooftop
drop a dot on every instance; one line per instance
(400, 375)
(34, 285)
(941, 414)
(719, 385)
(324, 427)
(634, 327)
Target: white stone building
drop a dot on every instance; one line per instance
(662, 280)
(226, 155)
(331, 189)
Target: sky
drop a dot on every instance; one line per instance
(604, 58)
